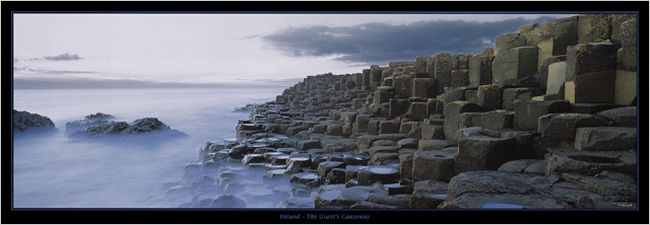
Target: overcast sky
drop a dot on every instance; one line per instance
(239, 47)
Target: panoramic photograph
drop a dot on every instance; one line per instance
(324, 111)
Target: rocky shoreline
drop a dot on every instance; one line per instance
(545, 119)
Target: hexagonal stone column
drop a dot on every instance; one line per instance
(452, 113)
(432, 165)
(483, 153)
(514, 63)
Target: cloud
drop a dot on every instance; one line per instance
(250, 36)
(28, 69)
(378, 42)
(61, 57)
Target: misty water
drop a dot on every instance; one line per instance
(54, 170)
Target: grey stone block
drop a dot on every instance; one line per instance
(452, 113)
(483, 153)
(528, 112)
(514, 63)
(605, 138)
(497, 119)
(489, 97)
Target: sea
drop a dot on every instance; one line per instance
(54, 170)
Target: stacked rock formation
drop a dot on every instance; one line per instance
(101, 124)
(545, 119)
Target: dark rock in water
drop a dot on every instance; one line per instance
(91, 120)
(108, 127)
(104, 124)
(148, 124)
(227, 201)
(99, 116)
(24, 121)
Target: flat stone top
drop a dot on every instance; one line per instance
(431, 186)
(629, 110)
(299, 158)
(270, 154)
(307, 175)
(354, 157)
(482, 138)
(360, 193)
(443, 153)
(610, 129)
(259, 145)
(382, 170)
(280, 157)
(355, 167)
(330, 164)
(623, 156)
(501, 111)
